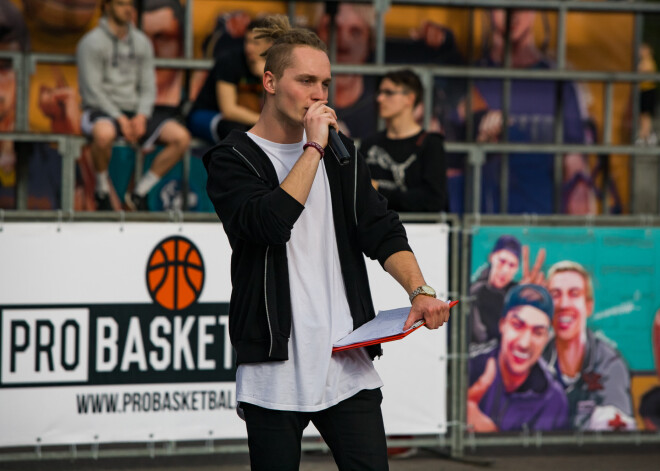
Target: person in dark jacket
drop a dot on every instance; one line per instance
(510, 386)
(407, 164)
(591, 370)
(491, 287)
(299, 223)
(231, 95)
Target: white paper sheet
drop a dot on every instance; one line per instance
(385, 324)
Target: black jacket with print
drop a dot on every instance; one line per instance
(257, 216)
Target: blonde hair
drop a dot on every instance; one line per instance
(284, 39)
(567, 265)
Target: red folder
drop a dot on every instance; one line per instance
(389, 338)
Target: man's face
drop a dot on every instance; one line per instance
(121, 11)
(569, 294)
(303, 83)
(164, 30)
(253, 49)
(524, 333)
(352, 33)
(503, 267)
(393, 99)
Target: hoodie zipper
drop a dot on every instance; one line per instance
(246, 161)
(270, 328)
(355, 189)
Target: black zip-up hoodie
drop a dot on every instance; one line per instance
(257, 216)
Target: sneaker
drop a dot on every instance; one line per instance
(136, 202)
(102, 202)
(399, 453)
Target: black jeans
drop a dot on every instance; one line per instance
(352, 429)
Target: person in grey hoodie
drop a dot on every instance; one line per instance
(593, 373)
(117, 84)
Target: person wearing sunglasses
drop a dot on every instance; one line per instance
(407, 163)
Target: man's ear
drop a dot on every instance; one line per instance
(411, 99)
(268, 82)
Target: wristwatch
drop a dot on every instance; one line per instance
(426, 290)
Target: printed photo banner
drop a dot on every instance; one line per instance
(574, 348)
(118, 333)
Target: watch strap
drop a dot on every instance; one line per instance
(420, 290)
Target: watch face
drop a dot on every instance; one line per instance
(428, 290)
(425, 290)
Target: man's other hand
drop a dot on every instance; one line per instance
(139, 123)
(127, 129)
(475, 417)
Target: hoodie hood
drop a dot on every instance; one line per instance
(105, 27)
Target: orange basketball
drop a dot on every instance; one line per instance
(175, 273)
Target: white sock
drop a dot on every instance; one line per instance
(102, 183)
(146, 183)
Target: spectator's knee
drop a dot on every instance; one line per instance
(103, 134)
(180, 137)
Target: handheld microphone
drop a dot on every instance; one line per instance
(337, 147)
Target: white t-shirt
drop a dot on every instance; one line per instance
(313, 378)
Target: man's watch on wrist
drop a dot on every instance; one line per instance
(425, 290)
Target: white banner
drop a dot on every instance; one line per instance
(118, 332)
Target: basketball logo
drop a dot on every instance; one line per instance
(175, 273)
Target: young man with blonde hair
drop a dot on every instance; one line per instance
(299, 223)
(592, 372)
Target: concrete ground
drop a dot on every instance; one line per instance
(585, 458)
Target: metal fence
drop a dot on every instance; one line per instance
(460, 438)
(25, 64)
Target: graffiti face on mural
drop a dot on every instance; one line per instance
(572, 306)
(503, 267)
(525, 332)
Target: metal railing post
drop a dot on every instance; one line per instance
(506, 108)
(561, 37)
(558, 161)
(22, 90)
(476, 159)
(634, 122)
(23, 150)
(188, 30)
(67, 149)
(426, 77)
(185, 179)
(607, 140)
(380, 7)
(456, 320)
(71, 149)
